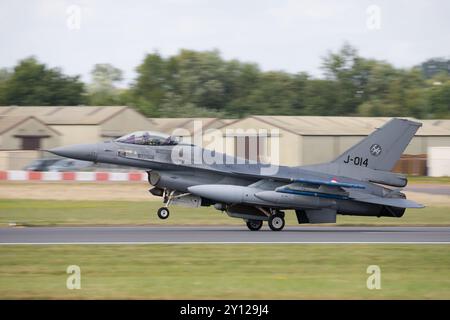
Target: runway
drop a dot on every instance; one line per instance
(437, 189)
(222, 234)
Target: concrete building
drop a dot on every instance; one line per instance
(192, 130)
(84, 124)
(443, 123)
(187, 125)
(288, 140)
(307, 140)
(439, 162)
(21, 137)
(26, 133)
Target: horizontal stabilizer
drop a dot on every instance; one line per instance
(392, 202)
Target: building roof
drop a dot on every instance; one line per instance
(443, 123)
(167, 125)
(301, 125)
(77, 115)
(348, 126)
(10, 122)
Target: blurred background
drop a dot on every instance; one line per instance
(324, 73)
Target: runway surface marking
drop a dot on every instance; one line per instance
(200, 243)
(223, 235)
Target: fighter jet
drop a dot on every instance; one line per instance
(359, 182)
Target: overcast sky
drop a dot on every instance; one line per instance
(290, 35)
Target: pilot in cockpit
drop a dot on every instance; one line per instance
(148, 138)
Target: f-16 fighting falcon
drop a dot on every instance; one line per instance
(355, 183)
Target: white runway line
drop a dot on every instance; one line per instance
(220, 242)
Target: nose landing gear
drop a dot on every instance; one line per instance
(170, 196)
(163, 213)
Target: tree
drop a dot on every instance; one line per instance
(320, 96)
(33, 83)
(104, 75)
(350, 73)
(434, 66)
(240, 80)
(5, 74)
(438, 96)
(196, 83)
(195, 80)
(273, 94)
(152, 83)
(102, 90)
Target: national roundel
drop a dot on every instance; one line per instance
(375, 150)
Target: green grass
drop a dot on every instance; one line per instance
(430, 180)
(46, 212)
(226, 271)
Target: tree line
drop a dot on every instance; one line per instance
(193, 83)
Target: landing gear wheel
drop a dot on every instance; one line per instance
(163, 213)
(276, 222)
(254, 225)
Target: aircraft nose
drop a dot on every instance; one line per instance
(87, 152)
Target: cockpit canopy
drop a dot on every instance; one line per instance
(148, 138)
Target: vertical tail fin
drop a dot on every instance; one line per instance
(382, 148)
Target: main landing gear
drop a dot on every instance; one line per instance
(276, 222)
(254, 225)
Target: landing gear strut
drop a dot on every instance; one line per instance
(276, 222)
(163, 212)
(169, 196)
(254, 225)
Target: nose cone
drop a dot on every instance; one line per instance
(87, 152)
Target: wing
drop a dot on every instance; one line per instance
(319, 188)
(343, 191)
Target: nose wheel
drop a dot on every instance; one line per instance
(163, 213)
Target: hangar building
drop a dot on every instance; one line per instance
(302, 140)
(84, 124)
(307, 140)
(26, 133)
